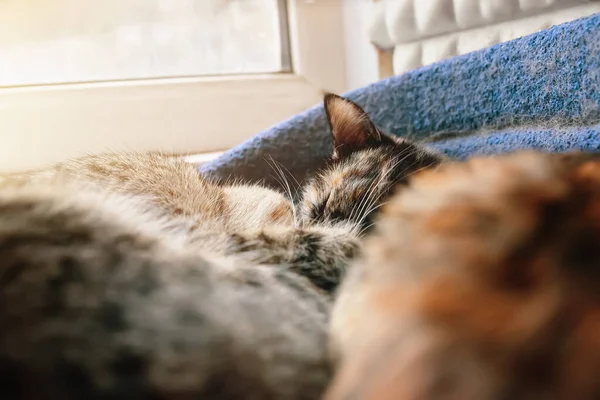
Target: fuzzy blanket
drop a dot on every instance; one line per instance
(540, 91)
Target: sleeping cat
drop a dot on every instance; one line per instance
(130, 276)
(481, 281)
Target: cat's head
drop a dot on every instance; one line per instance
(365, 168)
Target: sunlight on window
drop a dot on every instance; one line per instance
(57, 41)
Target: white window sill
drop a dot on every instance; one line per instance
(47, 124)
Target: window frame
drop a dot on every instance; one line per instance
(45, 124)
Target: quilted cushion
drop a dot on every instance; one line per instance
(411, 55)
(409, 20)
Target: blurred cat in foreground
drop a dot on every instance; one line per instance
(481, 281)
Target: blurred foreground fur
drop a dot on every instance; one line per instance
(481, 281)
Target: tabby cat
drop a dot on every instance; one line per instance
(481, 281)
(129, 276)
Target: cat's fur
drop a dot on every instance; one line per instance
(481, 281)
(130, 276)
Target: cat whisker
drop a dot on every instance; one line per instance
(419, 170)
(371, 190)
(277, 177)
(365, 205)
(359, 206)
(285, 186)
(298, 185)
(373, 206)
(365, 229)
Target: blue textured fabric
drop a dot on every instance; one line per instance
(540, 91)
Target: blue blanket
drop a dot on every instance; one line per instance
(540, 91)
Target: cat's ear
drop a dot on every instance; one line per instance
(351, 128)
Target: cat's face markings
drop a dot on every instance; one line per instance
(365, 166)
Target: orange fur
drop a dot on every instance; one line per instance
(481, 281)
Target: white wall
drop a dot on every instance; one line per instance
(361, 56)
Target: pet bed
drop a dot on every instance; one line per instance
(540, 91)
